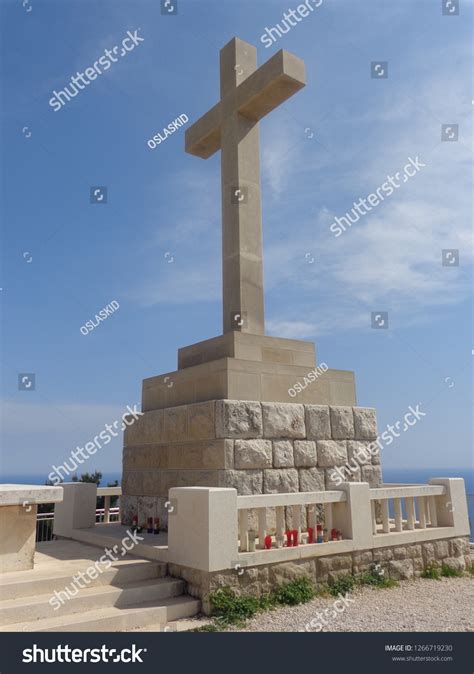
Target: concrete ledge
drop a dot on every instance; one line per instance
(18, 509)
(21, 494)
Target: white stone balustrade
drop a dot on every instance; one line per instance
(210, 527)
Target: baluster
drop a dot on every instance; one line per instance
(433, 513)
(312, 516)
(385, 518)
(107, 509)
(421, 506)
(397, 504)
(374, 519)
(262, 527)
(280, 524)
(243, 530)
(410, 507)
(328, 517)
(296, 519)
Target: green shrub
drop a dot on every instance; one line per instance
(267, 601)
(449, 572)
(430, 571)
(231, 609)
(375, 579)
(342, 585)
(295, 592)
(228, 608)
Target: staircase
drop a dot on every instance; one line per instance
(132, 594)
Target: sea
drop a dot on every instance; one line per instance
(390, 475)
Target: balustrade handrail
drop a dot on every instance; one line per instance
(109, 491)
(294, 498)
(403, 491)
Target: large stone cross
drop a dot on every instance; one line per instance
(247, 95)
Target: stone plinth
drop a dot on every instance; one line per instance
(254, 447)
(18, 509)
(238, 379)
(245, 346)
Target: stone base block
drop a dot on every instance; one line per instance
(399, 563)
(254, 447)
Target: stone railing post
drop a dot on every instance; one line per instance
(354, 517)
(451, 508)
(77, 509)
(202, 527)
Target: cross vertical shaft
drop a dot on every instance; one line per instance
(242, 263)
(247, 95)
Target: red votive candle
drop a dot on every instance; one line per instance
(295, 537)
(156, 525)
(310, 531)
(149, 528)
(268, 542)
(289, 542)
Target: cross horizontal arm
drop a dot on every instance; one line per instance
(264, 90)
(269, 86)
(203, 138)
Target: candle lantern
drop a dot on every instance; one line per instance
(319, 533)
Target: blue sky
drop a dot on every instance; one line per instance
(331, 144)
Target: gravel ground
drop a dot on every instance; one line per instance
(420, 605)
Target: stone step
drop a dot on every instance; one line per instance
(153, 548)
(17, 585)
(187, 624)
(114, 619)
(89, 599)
